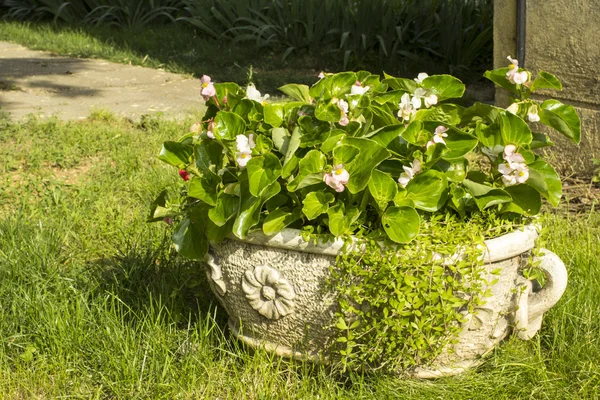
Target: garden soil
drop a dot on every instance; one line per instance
(43, 84)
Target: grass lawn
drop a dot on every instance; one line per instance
(94, 303)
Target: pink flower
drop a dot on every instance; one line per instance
(211, 128)
(208, 89)
(344, 121)
(340, 174)
(333, 183)
(321, 75)
(184, 174)
(438, 136)
(513, 75)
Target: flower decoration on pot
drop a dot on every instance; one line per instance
(268, 293)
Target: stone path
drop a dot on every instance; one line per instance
(44, 84)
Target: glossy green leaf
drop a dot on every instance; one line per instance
(544, 179)
(204, 188)
(513, 129)
(445, 113)
(360, 172)
(428, 190)
(444, 86)
(540, 140)
(228, 125)
(293, 144)
(273, 114)
(176, 154)
(250, 207)
(279, 219)
(401, 223)
(416, 134)
(341, 218)
(455, 170)
(486, 196)
(226, 208)
(189, 238)
(281, 139)
(525, 200)
(262, 171)
(297, 92)
(316, 203)
(563, 118)
(498, 76)
(328, 111)
(545, 80)
(310, 170)
(383, 188)
(209, 155)
(345, 154)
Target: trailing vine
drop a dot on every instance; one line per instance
(399, 307)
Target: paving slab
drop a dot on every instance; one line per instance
(44, 84)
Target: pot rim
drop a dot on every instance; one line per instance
(501, 248)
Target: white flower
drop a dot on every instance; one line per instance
(521, 173)
(513, 74)
(321, 75)
(515, 170)
(196, 127)
(337, 179)
(253, 94)
(407, 110)
(428, 98)
(513, 108)
(532, 115)
(343, 105)
(357, 88)
(340, 174)
(210, 135)
(421, 77)
(438, 136)
(242, 158)
(244, 146)
(409, 172)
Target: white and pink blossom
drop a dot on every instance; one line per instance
(421, 77)
(513, 75)
(253, 94)
(358, 88)
(208, 89)
(409, 172)
(438, 136)
(532, 114)
(429, 98)
(407, 109)
(337, 178)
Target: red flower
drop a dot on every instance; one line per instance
(184, 174)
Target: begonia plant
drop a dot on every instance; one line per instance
(358, 152)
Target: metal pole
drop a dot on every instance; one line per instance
(521, 33)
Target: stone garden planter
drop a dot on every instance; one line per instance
(273, 291)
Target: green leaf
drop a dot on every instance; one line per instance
(332, 141)
(341, 83)
(403, 84)
(176, 154)
(228, 125)
(371, 154)
(498, 76)
(281, 139)
(279, 219)
(189, 238)
(539, 141)
(428, 190)
(444, 86)
(264, 145)
(297, 92)
(486, 196)
(455, 170)
(416, 134)
(316, 203)
(340, 219)
(383, 188)
(345, 154)
(545, 80)
(445, 113)
(273, 114)
(401, 223)
(310, 170)
(328, 111)
(514, 130)
(209, 155)
(561, 117)
(544, 179)
(525, 200)
(250, 207)
(157, 208)
(204, 188)
(262, 171)
(293, 144)
(225, 209)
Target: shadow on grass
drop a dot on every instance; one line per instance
(145, 277)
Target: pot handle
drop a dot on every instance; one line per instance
(532, 305)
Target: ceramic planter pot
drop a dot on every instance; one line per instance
(273, 289)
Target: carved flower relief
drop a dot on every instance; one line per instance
(267, 292)
(215, 275)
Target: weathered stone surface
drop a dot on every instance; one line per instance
(36, 82)
(561, 39)
(277, 297)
